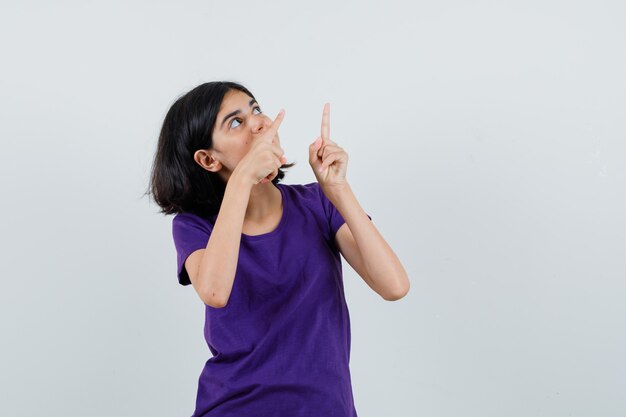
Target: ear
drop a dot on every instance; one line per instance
(207, 161)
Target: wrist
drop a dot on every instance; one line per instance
(239, 181)
(334, 192)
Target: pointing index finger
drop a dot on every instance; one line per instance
(271, 131)
(326, 123)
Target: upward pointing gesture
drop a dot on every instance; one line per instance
(328, 160)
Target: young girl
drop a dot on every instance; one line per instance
(264, 257)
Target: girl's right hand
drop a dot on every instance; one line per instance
(261, 163)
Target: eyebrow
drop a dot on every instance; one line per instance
(229, 115)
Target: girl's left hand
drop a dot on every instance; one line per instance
(328, 160)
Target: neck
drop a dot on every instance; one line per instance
(264, 200)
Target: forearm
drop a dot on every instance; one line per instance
(381, 263)
(219, 262)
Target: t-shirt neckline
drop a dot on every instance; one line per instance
(281, 224)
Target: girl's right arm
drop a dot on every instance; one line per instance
(212, 270)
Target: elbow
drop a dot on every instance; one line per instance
(213, 295)
(215, 304)
(399, 292)
(213, 299)
(394, 296)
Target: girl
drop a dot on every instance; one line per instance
(264, 257)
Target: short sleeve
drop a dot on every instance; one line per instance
(335, 219)
(190, 233)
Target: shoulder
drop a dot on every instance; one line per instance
(302, 190)
(305, 194)
(184, 222)
(187, 217)
(308, 195)
(311, 197)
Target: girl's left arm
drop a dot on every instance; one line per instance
(362, 245)
(358, 239)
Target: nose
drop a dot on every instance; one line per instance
(260, 124)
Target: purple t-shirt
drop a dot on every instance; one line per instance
(281, 345)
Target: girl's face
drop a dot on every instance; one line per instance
(239, 123)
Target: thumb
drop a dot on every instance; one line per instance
(313, 148)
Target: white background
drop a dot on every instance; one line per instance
(486, 140)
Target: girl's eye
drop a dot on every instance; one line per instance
(239, 120)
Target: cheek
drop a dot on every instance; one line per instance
(245, 148)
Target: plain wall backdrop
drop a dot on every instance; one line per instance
(487, 140)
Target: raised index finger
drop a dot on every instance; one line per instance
(326, 123)
(271, 131)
